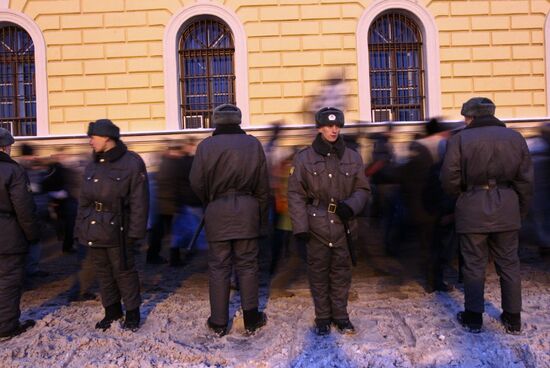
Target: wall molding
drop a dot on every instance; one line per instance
(22, 20)
(430, 51)
(170, 45)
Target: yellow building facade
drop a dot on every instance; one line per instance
(119, 58)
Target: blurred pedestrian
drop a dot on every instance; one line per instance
(19, 229)
(112, 217)
(488, 167)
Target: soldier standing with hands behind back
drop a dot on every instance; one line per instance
(327, 188)
(112, 216)
(19, 229)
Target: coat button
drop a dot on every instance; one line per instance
(96, 180)
(112, 223)
(118, 179)
(330, 175)
(89, 243)
(332, 221)
(328, 154)
(92, 222)
(315, 173)
(314, 214)
(330, 244)
(347, 174)
(102, 160)
(332, 199)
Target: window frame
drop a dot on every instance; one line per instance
(430, 51)
(41, 85)
(173, 30)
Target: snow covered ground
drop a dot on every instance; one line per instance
(398, 323)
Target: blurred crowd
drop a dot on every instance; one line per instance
(407, 206)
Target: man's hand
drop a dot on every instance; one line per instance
(344, 211)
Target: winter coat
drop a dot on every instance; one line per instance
(168, 180)
(115, 186)
(322, 175)
(229, 175)
(17, 209)
(488, 167)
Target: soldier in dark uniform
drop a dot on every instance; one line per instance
(229, 175)
(19, 228)
(112, 216)
(488, 167)
(326, 190)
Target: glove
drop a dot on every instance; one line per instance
(344, 211)
(302, 236)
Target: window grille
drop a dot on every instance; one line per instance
(207, 77)
(17, 81)
(396, 72)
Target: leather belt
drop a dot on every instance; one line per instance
(229, 193)
(101, 207)
(490, 185)
(331, 207)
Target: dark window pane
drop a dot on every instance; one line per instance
(17, 81)
(396, 74)
(207, 70)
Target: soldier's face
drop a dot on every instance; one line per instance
(330, 132)
(6, 149)
(99, 143)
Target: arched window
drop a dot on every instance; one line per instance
(396, 68)
(207, 72)
(17, 80)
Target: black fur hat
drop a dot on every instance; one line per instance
(104, 128)
(329, 116)
(227, 114)
(478, 106)
(6, 139)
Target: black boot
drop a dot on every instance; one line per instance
(322, 327)
(21, 327)
(472, 321)
(175, 260)
(217, 329)
(511, 322)
(132, 319)
(112, 313)
(344, 326)
(253, 320)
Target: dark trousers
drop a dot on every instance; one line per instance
(329, 273)
(444, 249)
(503, 247)
(161, 226)
(66, 215)
(221, 257)
(12, 273)
(115, 283)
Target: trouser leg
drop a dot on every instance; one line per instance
(318, 270)
(105, 276)
(12, 273)
(245, 256)
(127, 281)
(158, 229)
(219, 277)
(474, 249)
(340, 281)
(504, 249)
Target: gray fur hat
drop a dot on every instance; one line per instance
(104, 128)
(329, 116)
(227, 114)
(478, 106)
(6, 139)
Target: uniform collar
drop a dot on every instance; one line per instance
(228, 129)
(4, 157)
(484, 121)
(323, 147)
(113, 154)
